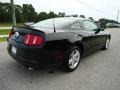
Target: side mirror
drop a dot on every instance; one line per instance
(98, 30)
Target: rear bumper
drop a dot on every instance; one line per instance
(37, 58)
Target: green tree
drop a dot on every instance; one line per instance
(82, 16)
(5, 12)
(29, 13)
(18, 12)
(42, 16)
(75, 15)
(61, 14)
(51, 14)
(91, 18)
(24, 13)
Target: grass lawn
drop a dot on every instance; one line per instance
(3, 39)
(9, 24)
(4, 32)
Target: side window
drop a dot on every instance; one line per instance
(76, 26)
(89, 26)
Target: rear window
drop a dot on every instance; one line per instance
(58, 22)
(45, 23)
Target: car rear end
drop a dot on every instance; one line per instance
(27, 46)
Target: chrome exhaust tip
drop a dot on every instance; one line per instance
(30, 68)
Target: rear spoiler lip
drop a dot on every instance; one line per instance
(40, 29)
(27, 28)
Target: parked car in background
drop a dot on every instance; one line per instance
(112, 25)
(56, 41)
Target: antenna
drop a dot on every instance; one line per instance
(54, 25)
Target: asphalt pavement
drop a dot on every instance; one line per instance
(98, 71)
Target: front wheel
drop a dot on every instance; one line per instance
(72, 58)
(105, 47)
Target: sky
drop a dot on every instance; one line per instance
(90, 8)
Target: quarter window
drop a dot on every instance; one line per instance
(89, 26)
(76, 26)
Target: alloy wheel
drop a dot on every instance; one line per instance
(74, 59)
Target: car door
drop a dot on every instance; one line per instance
(77, 29)
(81, 34)
(90, 28)
(102, 37)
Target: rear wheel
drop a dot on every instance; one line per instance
(72, 58)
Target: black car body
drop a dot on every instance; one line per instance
(55, 38)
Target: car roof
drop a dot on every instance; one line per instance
(73, 18)
(61, 25)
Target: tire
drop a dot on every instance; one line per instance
(105, 47)
(72, 59)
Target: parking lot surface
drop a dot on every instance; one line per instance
(98, 71)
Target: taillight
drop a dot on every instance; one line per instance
(33, 40)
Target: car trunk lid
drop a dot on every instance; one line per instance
(27, 36)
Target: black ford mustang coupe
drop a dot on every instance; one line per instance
(56, 41)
